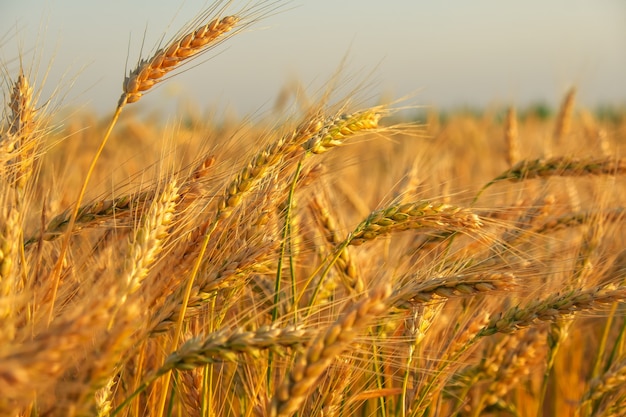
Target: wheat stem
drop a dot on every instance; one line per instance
(55, 275)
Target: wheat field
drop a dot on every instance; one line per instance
(338, 259)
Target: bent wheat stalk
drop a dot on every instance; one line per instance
(140, 80)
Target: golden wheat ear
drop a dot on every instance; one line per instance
(190, 44)
(151, 71)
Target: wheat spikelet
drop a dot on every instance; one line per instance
(564, 119)
(511, 138)
(324, 349)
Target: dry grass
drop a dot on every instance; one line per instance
(337, 263)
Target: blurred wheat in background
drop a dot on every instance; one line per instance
(344, 260)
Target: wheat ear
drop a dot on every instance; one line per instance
(102, 211)
(420, 292)
(148, 239)
(151, 71)
(20, 140)
(511, 138)
(328, 345)
(10, 234)
(339, 128)
(143, 250)
(610, 381)
(226, 345)
(564, 119)
(552, 308)
(398, 217)
(17, 145)
(261, 164)
(415, 215)
(526, 351)
(560, 166)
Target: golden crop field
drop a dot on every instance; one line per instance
(342, 260)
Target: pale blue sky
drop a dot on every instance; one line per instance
(450, 53)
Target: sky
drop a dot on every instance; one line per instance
(444, 54)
